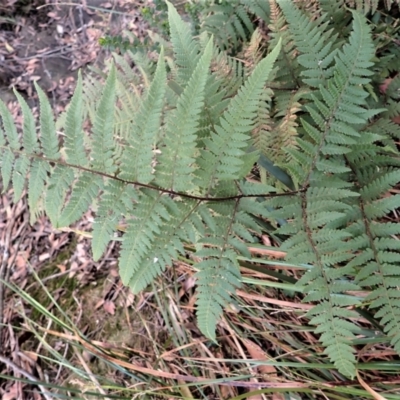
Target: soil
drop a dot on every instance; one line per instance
(47, 42)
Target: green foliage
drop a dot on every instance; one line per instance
(168, 155)
(116, 42)
(231, 22)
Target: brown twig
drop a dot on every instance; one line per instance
(47, 395)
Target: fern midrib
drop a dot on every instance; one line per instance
(144, 185)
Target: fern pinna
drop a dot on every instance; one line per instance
(172, 161)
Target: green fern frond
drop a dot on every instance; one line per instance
(376, 262)
(136, 162)
(8, 135)
(9, 127)
(167, 243)
(212, 296)
(57, 186)
(74, 146)
(219, 264)
(116, 201)
(150, 215)
(36, 185)
(317, 158)
(7, 163)
(226, 146)
(29, 136)
(48, 135)
(229, 23)
(336, 334)
(102, 143)
(186, 49)
(176, 162)
(20, 171)
(314, 42)
(83, 193)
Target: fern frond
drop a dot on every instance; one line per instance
(48, 135)
(21, 168)
(7, 163)
(225, 147)
(116, 201)
(219, 264)
(7, 136)
(136, 161)
(9, 127)
(84, 191)
(167, 243)
(57, 186)
(176, 162)
(313, 41)
(186, 49)
(377, 260)
(36, 185)
(168, 150)
(336, 334)
(102, 143)
(29, 136)
(74, 146)
(315, 164)
(150, 216)
(312, 242)
(212, 296)
(229, 23)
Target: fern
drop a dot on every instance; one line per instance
(229, 22)
(170, 158)
(176, 162)
(143, 135)
(320, 169)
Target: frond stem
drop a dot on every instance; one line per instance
(159, 189)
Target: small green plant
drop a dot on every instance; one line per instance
(173, 162)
